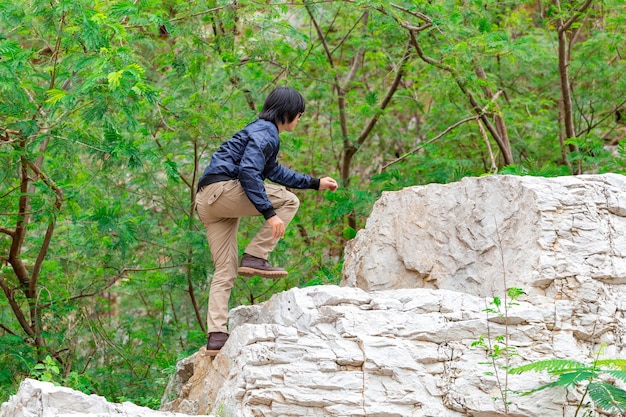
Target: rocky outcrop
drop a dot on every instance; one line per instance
(476, 235)
(398, 339)
(333, 351)
(43, 399)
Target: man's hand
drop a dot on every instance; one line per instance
(278, 227)
(328, 183)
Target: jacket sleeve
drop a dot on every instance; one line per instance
(289, 178)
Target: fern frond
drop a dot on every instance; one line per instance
(607, 397)
(621, 375)
(570, 379)
(55, 95)
(612, 363)
(171, 170)
(9, 47)
(553, 366)
(149, 155)
(135, 69)
(133, 154)
(566, 380)
(111, 135)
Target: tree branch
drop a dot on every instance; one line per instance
(498, 119)
(494, 166)
(177, 19)
(564, 48)
(383, 105)
(55, 53)
(419, 15)
(6, 329)
(506, 151)
(66, 114)
(448, 129)
(342, 41)
(8, 132)
(22, 220)
(609, 114)
(340, 92)
(411, 152)
(111, 282)
(43, 250)
(428, 21)
(194, 303)
(215, 9)
(322, 38)
(358, 59)
(6, 139)
(19, 314)
(565, 26)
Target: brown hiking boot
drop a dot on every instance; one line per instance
(215, 341)
(251, 266)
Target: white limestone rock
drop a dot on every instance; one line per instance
(474, 235)
(43, 399)
(301, 354)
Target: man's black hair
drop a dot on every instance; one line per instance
(282, 105)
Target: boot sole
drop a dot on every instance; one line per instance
(251, 272)
(212, 353)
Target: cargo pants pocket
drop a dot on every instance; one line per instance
(214, 192)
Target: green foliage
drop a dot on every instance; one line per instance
(497, 348)
(596, 377)
(496, 304)
(109, 112)
(47, 371)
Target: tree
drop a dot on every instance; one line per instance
(69, 73)
(75, 96)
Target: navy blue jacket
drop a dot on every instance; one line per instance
(251, 155)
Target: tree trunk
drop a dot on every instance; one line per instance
(564, 51)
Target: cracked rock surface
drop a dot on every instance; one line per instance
(336, 351)
(396, 338)
(466, 236)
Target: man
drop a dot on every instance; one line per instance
(232, 186)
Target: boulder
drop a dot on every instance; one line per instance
(339, 351)
(44, 399)
(479, 235)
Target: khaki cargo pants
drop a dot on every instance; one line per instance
(220, 206)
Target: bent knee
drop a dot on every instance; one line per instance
(292, 199)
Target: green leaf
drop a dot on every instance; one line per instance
(55, 95)
(607, 397)
(371, 98)
(514, 293)
(9, 47)
(134, 69)
(114, 79)
(551, 366)
(621, 375)
(612, 363)
(171, 170)
(569, 379)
